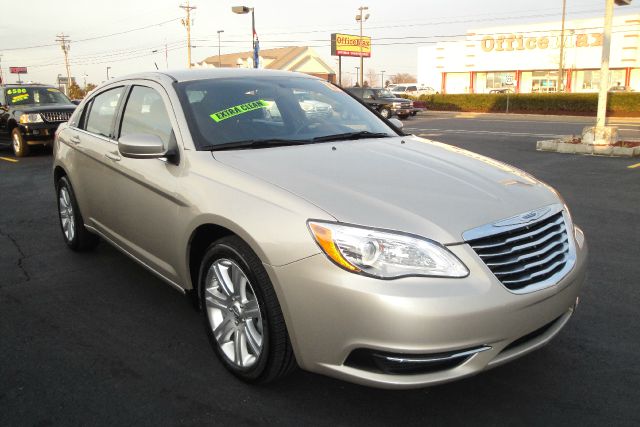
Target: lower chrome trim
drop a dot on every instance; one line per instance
(136, 259)
(438, 358)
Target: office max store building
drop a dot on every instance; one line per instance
(525, 58)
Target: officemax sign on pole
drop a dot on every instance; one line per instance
(349, 45)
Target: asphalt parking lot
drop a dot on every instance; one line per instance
(95, 339)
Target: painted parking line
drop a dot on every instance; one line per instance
(637, 165)
(9, 159)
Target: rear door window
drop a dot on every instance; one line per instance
(103, 112)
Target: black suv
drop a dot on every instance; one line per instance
(383, 101)
(30, 115)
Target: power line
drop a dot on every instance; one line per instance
(96, 37)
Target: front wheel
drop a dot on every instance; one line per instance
(75, 234)
(20, 147)
(384, 112)
(241, 313)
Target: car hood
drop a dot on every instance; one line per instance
(407, 184)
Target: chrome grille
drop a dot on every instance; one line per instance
(56, 116)
(528, 256)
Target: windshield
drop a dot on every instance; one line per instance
(385, 94)
(35, 95)
(232, 110)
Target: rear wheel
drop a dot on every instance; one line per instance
(75, 234)
(20, 147)
(241, 313)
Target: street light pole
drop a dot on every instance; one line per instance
(254, 36)
(361, 17)
(604, 68)
(560, 87)
(219, 31)
(108, 68)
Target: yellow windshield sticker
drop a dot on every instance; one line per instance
(16, 91)
(20, 97)
(230, 112)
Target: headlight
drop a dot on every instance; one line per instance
(306, 106)
(397, 104)
(30, 118)
(385, 254)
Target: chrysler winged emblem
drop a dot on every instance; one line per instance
(523, 218)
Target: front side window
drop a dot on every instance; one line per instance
(231, 110)
(145, 113)
(103, 111)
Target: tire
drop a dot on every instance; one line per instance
(245, 327)
(74, 233)
(20, 146)
(384, 112)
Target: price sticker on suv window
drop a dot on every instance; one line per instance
(230, 112)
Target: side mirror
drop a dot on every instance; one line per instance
(397, 123)
(141, 146)
(76, 101)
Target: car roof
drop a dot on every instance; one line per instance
(184, 75)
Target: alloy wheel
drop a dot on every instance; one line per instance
(66, 214)
(16, 143)
(234, 314)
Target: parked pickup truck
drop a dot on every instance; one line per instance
(383, 101)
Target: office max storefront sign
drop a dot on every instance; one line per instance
(511, 42)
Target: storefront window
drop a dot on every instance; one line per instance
(591, 79)
(544, 81)
(501, 80)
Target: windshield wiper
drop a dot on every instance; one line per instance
(255, 143)
(351, 135)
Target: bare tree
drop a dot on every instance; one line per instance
(403, 78)
(372, 77)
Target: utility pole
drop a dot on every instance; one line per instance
(166, 55)
(187, 23)
(65, 44)
(382, 78)
(560, 87)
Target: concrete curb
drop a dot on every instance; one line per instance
(556, 145)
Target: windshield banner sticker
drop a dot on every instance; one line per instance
(18, 98)
(228, 113)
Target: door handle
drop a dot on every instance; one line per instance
(75, 139)
(113, 157)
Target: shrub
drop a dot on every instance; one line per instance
(619, 103)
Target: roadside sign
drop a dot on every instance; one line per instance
(18, 70)
(350, 45)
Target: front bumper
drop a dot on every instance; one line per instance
(401, 111)
(39, 133)
(330, 313)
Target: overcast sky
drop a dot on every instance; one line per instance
(393, 26)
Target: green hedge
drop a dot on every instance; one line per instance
(619, 103)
